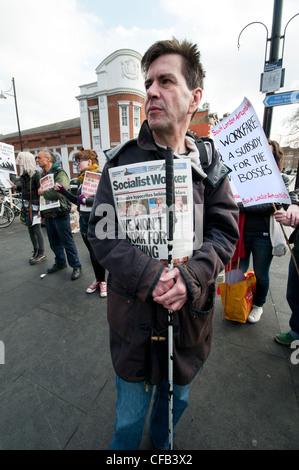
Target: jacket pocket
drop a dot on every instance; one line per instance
(196, 327)
(120, 312)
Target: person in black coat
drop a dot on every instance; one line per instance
(28, 183)
(87, 160)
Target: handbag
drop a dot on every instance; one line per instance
(278, 241)
(237, 298)
(26, 215)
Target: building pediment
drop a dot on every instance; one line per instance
(121, 70)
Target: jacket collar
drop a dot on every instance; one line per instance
(146, 142)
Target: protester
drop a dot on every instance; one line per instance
(57, 220)
(140, 288)
(87, 160)
(28, 184)
(257, 242)
(291, 218)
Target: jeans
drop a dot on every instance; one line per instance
(132, 407)
(61, 238)
(293, 297)
(261, 250)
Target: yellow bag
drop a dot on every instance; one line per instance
(237, 298)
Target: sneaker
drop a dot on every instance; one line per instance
(38, 258)
(284, 338)
(34, 254)
(103, 289)
(93, 287)
(255, 314)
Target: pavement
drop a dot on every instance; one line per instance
(57, 388)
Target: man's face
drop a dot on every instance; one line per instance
(169, 103)
(42, 160)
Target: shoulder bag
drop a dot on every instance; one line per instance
(26, 215)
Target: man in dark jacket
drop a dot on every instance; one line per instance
(140, 288)
(57, 219)
(291, 218)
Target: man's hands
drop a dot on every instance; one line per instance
(171, 290)
(289, 217)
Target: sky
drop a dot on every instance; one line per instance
(51, 47)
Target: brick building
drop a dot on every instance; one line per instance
(111, 112)
(291, 158)
(203, 121)
(62, 138)
(111, 109)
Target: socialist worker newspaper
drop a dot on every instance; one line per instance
(46, 183)
(140, 199)
(89, 187)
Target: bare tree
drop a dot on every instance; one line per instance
(290, 126)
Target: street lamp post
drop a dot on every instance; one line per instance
(3, 97)
(274, 54)
(274, 57)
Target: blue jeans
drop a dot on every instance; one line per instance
(62, 242)
(293, 297)
(132, 406)
(261, 250)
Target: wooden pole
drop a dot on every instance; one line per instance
(288, 243)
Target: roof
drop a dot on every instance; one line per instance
(56, 126)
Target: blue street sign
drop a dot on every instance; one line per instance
(281, 98)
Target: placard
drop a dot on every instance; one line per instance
(244, 148)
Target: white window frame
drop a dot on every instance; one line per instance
(95, 118)
(136, 128)
(95, 131)
(124, 120)
(124, 116)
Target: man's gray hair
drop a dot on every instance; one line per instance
(49, 154)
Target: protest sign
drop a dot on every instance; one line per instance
(4, 180)
(89, 187)
(7, 158)
(139, 192)
(46, 183)
(245, 150)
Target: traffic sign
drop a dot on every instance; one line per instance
(281, 98)
(271, 78)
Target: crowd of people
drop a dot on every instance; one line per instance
(142, 289)
(57, 217)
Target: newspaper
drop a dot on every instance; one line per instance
(46, 183)
(89, 187)
(139, 192)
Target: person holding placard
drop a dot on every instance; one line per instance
(291, 218)
(57, 216)
(141, 290)
(257, 242)
(87, 161)
(28, 184)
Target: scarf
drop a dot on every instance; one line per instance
(193, 154)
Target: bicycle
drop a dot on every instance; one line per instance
(16, 202)
(7, 215)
